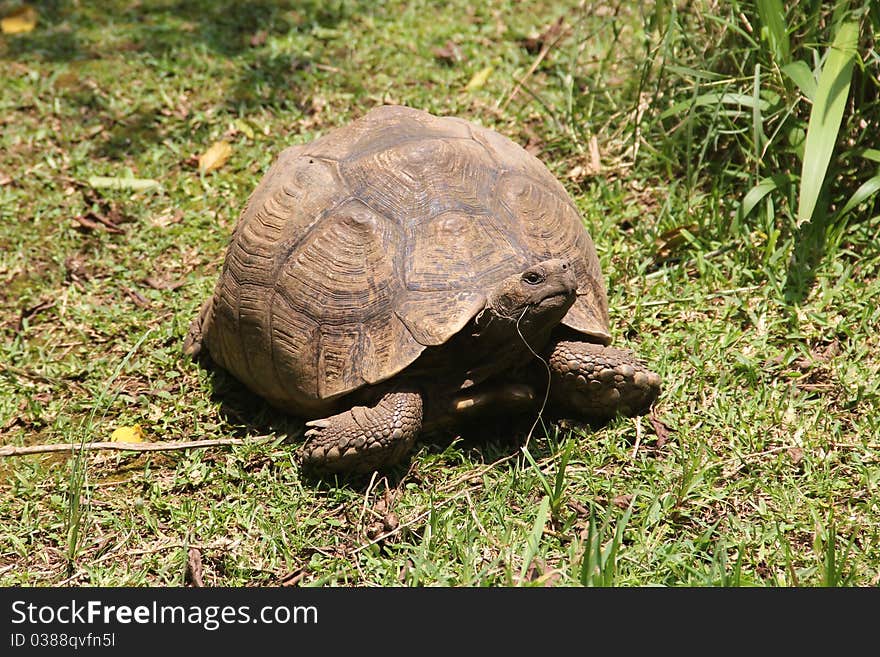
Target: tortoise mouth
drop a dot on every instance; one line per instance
(556, 300)
(552, 297)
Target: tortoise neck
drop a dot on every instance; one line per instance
(495, 333)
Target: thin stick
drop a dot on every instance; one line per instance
(549, 378)
(394, 531)
(691, 262)
(161, 446)
(638, 438)
(360, 522)
(546, 47)
(691, 299)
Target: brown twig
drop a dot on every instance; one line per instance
(161, 446)
(638, 424)
(551, 37)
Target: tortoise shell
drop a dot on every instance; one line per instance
(362, 248)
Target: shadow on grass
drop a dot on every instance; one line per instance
(226, 27)
(809, 250)
(232, 30)
(134, 133)
(488, 440)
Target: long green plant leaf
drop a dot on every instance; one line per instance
(758, 192)
(865, 191)
(773, 21)
(713, 99)
(825, 117)
(801, 74)
(533, 542)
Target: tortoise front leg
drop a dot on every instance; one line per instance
(364, 438)
(593, 382)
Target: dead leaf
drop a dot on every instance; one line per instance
(259, 38)
(405, 570)
(294, 578)
(5, 179)
(95, 220)
(796, 454)
(164, 220)
(578, 508)
(576, 173)
(539, 573)
(317, 104)
(27, 313)
(662, 430)
(534, 143)
(193, 573)
(20, 21)
(479, 79)
(535, 569)
(76, 270)
(215, 157)
(132, 434)
(450, 53)
(622, 501)
(672, 240)
(161, 284)
(388, 522)
(595, 157)
(139, 299)
(87, 223)
(535, 42)
(532, 43)
(391, 521)
(822, 352)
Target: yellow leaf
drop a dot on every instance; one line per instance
(215, 157)
(132, 434)
(23, 19)
(243, 127)
(479, 79)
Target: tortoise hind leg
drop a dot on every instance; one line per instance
(192, 345)
(364, 438)
(593, 382)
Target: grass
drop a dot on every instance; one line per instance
(764, 465)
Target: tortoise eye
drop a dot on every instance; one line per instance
(533, 278)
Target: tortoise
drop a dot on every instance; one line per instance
(407, 271)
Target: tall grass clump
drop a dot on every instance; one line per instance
(776, 108)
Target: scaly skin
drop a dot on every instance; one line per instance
(593, 382)
(192, 345)
(364, 438)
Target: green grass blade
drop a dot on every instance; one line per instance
(865, 191)
(870, 154)
(757, 120)
(757, 193)
(534, 539)
(714, 98)
(773, 28)
(77, 478)
(800, 73)
(544, 483)
(825, 117)
(609, 554)
(559, 483)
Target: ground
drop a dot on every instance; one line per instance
(760, 464)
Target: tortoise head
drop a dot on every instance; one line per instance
(536, 298)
